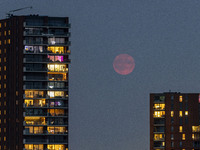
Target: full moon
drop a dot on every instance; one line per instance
(124, 64)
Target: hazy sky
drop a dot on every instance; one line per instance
(109, 111)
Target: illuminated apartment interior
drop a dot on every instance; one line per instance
(174, 121)
(37, 74)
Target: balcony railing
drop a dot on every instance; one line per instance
(52, 25)
(58, 123)
(34, 123)
(57, 115)
(33, 96)
(44, 141)
(45, 52)
(35, 105)
(68, 43)
(34, 114)
(30, 69)
(35, 78)
(44, 60)
(27, 132)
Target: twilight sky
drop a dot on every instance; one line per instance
(109, 111)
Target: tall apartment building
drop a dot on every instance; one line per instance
(174, 121)
(34, 67)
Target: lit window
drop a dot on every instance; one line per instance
(183, 136)
(4, 33)
(4, 121)
(0, 68)
(4, 59)
(180, 98)
(8, 41)
(5, 77)
(4, 50)
(4, 24)
(195, 128)
(5, 94)
(0, 25)
(4, 138)
(4, 41)
(0, 42)
(4, 85)
(180, 128)
(159, 106)
(172, 137)
(186, 113)
(180, 114)
(158, 114)
(193, 136)
(172, 113)
(8, 32)
(4, 112)
(4, 68)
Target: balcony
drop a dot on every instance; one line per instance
(30, 69)
(35, 78)
(36, 87)
(42, 114)
(56, 97)
(35, 141)
(34, 96)
(57, 114)
(66, 52)
(27, 132)
(35, 24)
(43, 43)
(44, 60)
(44, 141)
(159, 139)
(159, 122)
(35, 123)
(56, 123)
(36, 105)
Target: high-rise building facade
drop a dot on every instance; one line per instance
(174, 121)
(34, 69)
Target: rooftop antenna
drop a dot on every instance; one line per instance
(10, 13)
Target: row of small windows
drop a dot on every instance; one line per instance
(6, 33)
(180, 113)
(4, 24)
(5, 42)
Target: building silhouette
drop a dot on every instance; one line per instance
(174, 121)
(34, 67)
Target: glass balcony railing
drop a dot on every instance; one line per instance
(34, 96)
(44, 60)
(35, 114)
(34, 123)
(57, 114)
(57, 123)
(34, 132)
(35, 78)
(26, 105)
(159, 121)
(159, 144)
(34, 87)
(34, 69)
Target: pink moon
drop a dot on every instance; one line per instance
(124, 64)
